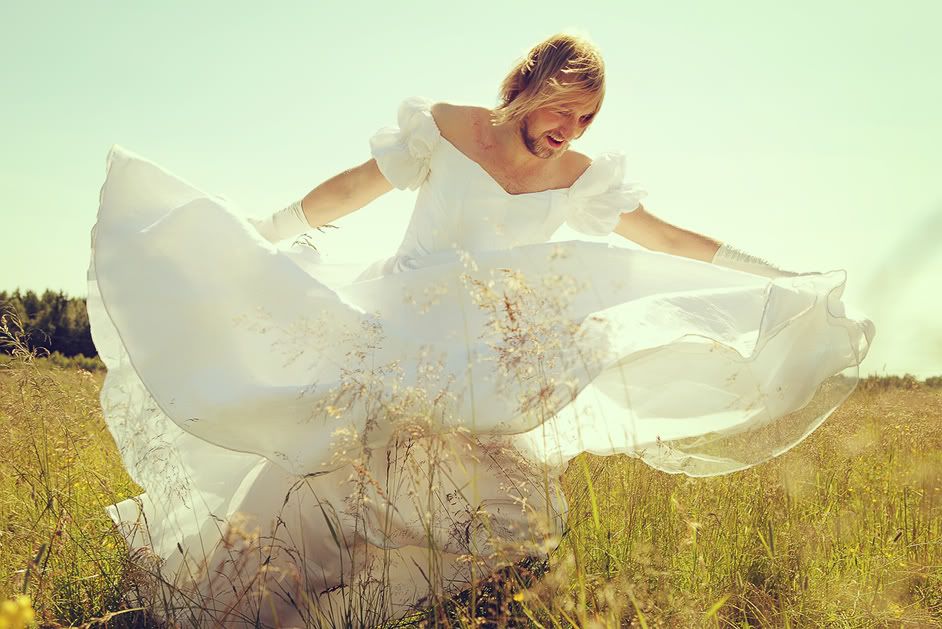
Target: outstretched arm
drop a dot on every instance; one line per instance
(340, 195)
(344, 193)
(652, 233)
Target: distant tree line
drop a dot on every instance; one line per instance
(52, 320)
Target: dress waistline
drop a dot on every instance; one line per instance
(402, 262)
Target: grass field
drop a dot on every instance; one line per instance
(844, 530)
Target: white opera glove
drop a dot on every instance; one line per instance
(733, 258)
(283, 224)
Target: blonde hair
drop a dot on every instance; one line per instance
(564, 68)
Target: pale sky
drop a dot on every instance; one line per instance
(807, 133)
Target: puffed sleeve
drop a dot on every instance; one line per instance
(600, 196)
(403, 153)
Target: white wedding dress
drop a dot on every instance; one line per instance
(402, 434)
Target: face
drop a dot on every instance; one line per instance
(540, 129)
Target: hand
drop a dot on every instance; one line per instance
(283, 224)
(733, 258)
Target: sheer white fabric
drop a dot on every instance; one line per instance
(471, 367)
(404, 153)
(599, 198)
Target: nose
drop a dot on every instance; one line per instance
(567, 128)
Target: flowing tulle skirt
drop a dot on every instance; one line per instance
(312, 448)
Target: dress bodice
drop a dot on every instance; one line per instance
(461, 206)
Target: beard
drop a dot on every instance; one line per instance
(537, 145)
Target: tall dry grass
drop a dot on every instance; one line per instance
(844, 530)
(59, 470)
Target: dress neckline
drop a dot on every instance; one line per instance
(491, 177)
(494, 181)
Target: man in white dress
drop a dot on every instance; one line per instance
(548, 100)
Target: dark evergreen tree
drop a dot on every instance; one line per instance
(52, 321)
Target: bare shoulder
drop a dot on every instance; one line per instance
(574, 164)
(442, 113)
(468, 127)
(454, 120)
